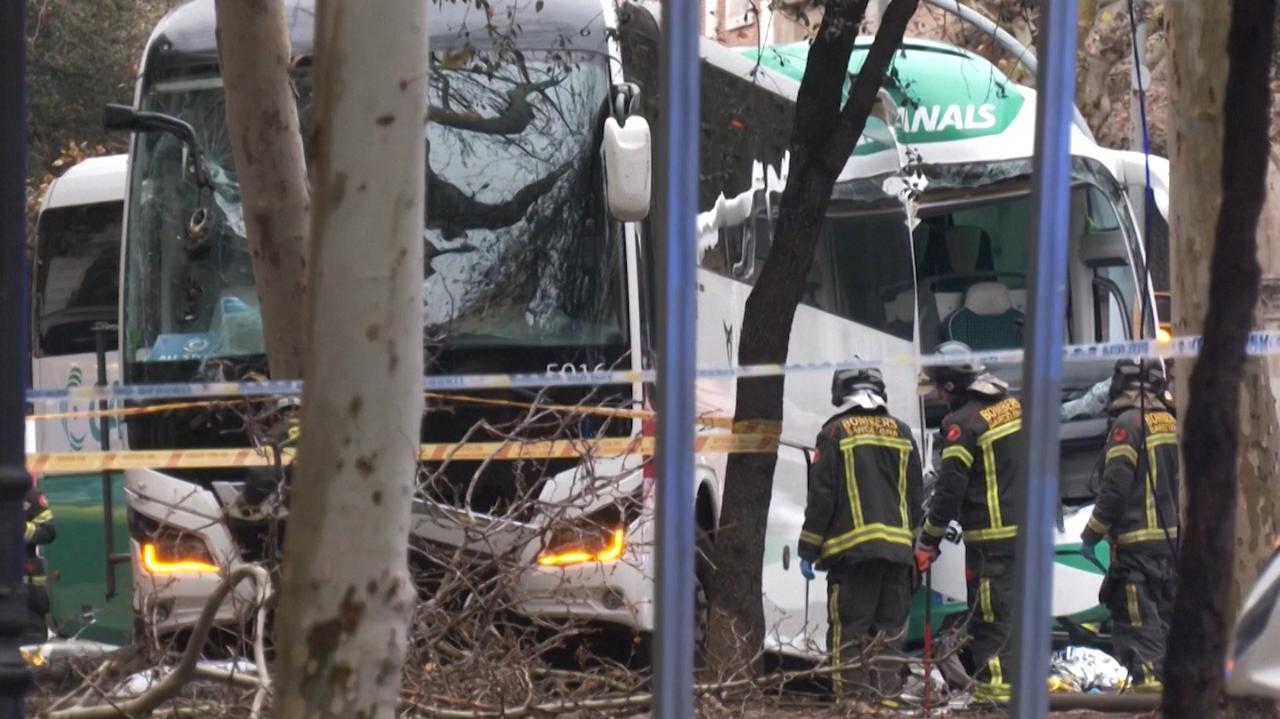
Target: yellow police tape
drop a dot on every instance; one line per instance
(55, 463)
(704, 420)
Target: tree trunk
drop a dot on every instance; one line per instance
(266, 143)
(346, 592)
(1193, 670)
(1258, 517)
(822, 137)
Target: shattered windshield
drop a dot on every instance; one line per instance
(520, 250)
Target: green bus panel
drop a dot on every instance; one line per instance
(77, 559)
(1066, 554)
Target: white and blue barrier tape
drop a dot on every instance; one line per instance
(1258, 343)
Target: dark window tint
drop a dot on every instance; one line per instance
(77, 277)
(874, 286)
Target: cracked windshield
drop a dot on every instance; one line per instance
(519, 247)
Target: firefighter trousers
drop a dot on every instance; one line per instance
(37, 628)
(1139, 592)
(866, 599)
(990, 625)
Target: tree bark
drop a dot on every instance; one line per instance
(266, 143)
(822, 138)
(1258, 511)
(1194, 661)
(346, 594)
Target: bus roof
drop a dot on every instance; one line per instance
(953, 107)
(97, 179)
(943, 93)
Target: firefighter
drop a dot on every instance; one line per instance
(39, 530)
(864, 505)
(1137, 511)
(981, 460)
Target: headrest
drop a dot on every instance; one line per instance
(964, 245)
(901, 308)
(987, 299)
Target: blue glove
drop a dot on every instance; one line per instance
(806, 568)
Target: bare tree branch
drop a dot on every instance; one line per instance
(513, 120)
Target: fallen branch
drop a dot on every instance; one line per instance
(642, 699)
(172, 683)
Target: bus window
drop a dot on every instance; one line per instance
(732, 255)
(972, 273)
(77, 277)
(1112, 289)
(1102, 215)
(1110, 311)
(872, 260)
(1005, 224)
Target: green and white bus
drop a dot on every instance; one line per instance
(75, 301)
(533, 267)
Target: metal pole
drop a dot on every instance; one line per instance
(677, 339)
(1139, 79)
(15, 678)
(1042, 372)
(100, 331)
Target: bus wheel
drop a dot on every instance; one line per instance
(703, 573)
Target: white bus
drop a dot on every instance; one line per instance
(955, 268)
(528, 271)
(75, 300)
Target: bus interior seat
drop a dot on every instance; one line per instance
(930, 320)
(987, 320)
(957, 250)
(899, 314)
(966, 249)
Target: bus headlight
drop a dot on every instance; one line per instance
(173, 553)
(597, 537)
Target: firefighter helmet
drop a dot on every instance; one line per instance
(954, 377)
(1134, 375)
(864, 387)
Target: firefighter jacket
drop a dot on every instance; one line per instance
(865, 491)
(39, 530)
(981, 459)
(1138, 492)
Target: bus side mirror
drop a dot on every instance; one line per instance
(125, 118)
(120, 118)
(628, 167)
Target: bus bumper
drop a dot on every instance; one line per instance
(171, 599)
(619, 592)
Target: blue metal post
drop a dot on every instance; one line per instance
(14, 482)
(677, 342)
(1042, 372)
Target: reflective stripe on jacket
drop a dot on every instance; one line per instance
(865, 490)
(981, 457)
(1138, 494)
(39, 530)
